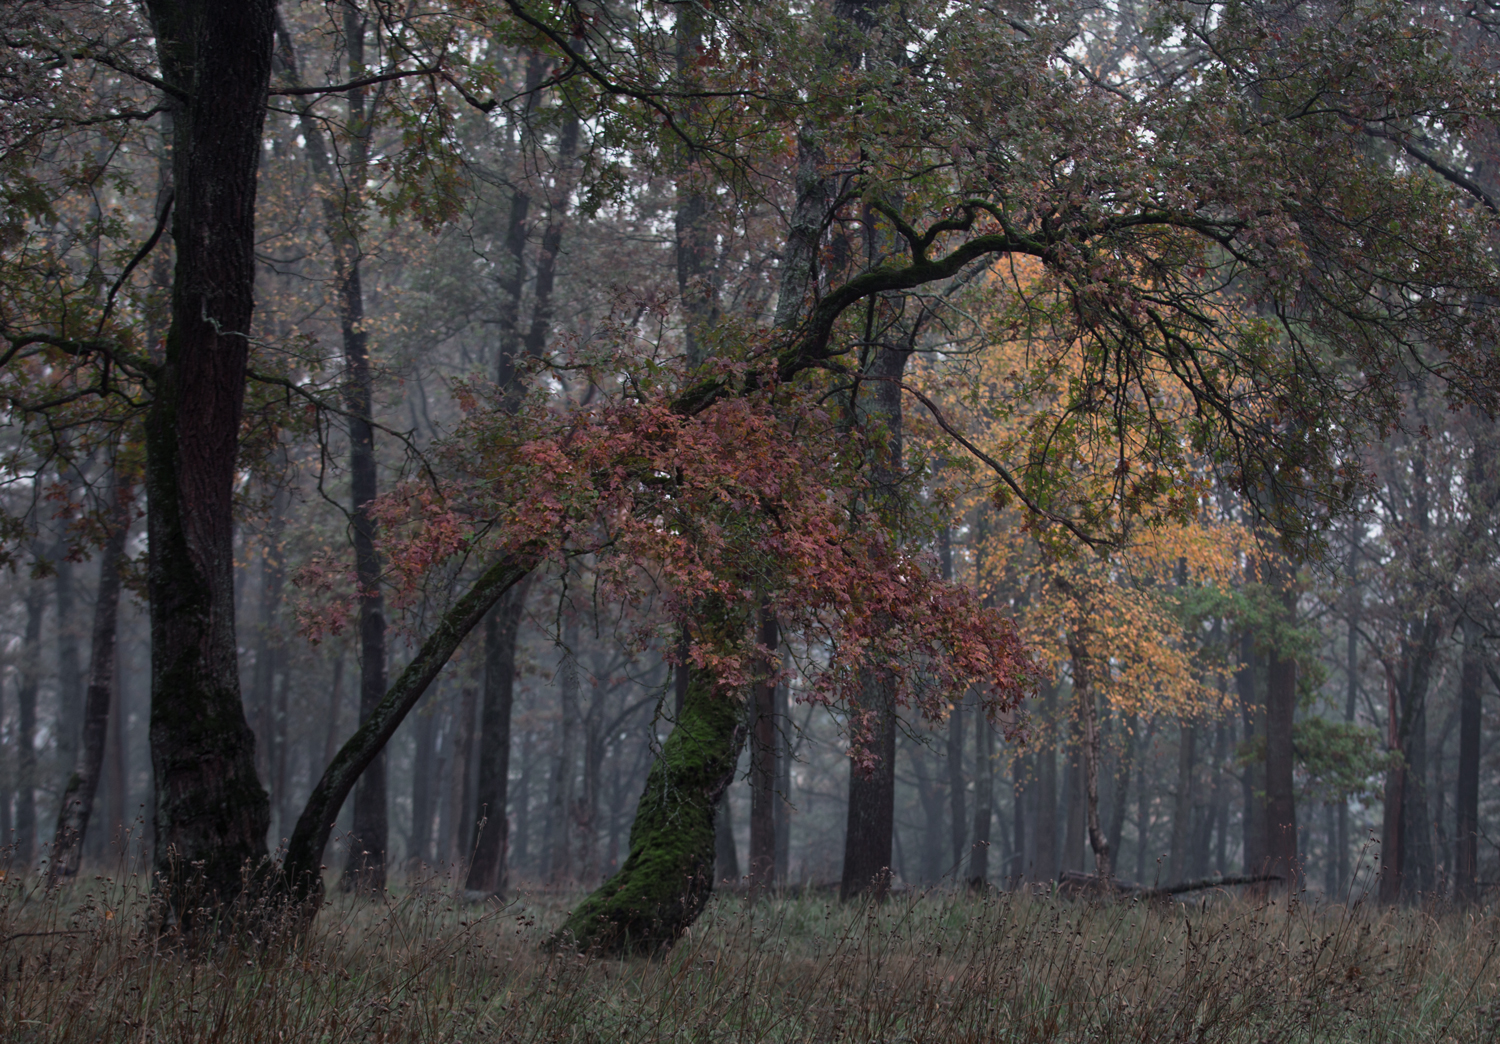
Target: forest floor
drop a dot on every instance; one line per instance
(79, 965)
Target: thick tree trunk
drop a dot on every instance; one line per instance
(77, 804)
(26, 694)
(872, 795)
(667, 876)
(488, 871)
(1466, 799)
(211, 814)
(763, 762)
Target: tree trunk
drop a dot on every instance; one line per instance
(26, 693)
(1046, 789)
(70, 685)
(1281, 801)
(668, 874)
(211, 814)
(1122, 790)
(957, 785)
(1253, 780)
(984, 802)
(1088, 710)
(872, 795)
(763, 762)
(726, 852)
(1466, 799)
(559, 852)
(461, 828)
(77, 804)
(419, 838)
(1182, 804)
(783, 780)
(305, 849)
(487, 873)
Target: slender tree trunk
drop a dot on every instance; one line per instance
(335, 709)
(487, 874)
(560, 800)
(1122, 790)
(957, 784)
(1253, 780)
(763, 761)
(1182, 804)
(726, 852)
(211, 814)
(1392, 827)
(70, 684)
(77, 804)
(1466, 799)
(1020, 768)
(461, 828)
(984, 802)
(419, 839)
(783, 780)
(268, 648)
(26, 694)
(1046, 789)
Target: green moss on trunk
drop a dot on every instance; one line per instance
(667, 878)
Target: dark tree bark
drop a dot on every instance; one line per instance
(1466, 798)
(871, 816)
(488, 870)
(763, 762)
(26, 693)
(77, 804)
(211, 814)
(957, 785)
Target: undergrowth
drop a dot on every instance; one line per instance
(83, 964)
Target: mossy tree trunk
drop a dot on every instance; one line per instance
(667, 877)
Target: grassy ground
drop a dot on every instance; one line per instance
(79, 966)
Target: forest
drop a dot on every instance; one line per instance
(538, 502)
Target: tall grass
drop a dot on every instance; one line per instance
(81, 964)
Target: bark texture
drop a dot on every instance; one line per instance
(211, 814)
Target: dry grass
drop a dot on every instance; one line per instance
(936, 968)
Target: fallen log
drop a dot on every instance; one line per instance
(1075, 884)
